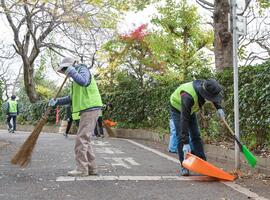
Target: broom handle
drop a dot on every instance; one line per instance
(227, 125)
(232, 133)
(59, 90)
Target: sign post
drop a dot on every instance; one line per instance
(238, 24)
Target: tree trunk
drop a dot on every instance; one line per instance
(29, 81)
(223, 38)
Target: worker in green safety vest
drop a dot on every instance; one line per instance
(185, 102)
(12, 111)
(86, 106)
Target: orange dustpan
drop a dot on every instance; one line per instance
(198, 165)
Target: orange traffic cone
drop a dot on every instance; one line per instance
(198, 165)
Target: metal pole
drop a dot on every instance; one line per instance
(235, 80)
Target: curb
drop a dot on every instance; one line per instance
(214, 152)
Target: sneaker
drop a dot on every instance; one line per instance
(102, 136)
(184, 172)
(92, 172)
(171, 151)
(76, 172)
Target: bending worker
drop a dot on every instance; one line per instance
(185, 102)
(86, 106)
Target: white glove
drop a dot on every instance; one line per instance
(220, 113)
(53, 102)
(186, 148)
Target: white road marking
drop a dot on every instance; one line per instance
(65, 178)
(153, 151)
(108, 150)
(135, 178)
(244, 191)
(236, 187)
(100, 143)
(124, 162)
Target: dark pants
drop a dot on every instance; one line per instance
(13, 122)
(69, 123)
(194, 133)
(99, 126)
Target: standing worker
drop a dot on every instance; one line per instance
(99, 125)
(86, 106)
(186, 101)
(12, 112)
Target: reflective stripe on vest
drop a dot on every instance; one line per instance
(12, 106)
(175, 98)
(84, 98)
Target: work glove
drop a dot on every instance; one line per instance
(220, 114)
(186, 149)
(69, 69)
(53, 102)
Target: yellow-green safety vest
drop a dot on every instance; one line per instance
(175, 98)
(84, 97)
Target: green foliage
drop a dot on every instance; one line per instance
(264, 3)
(254, 98)
(180, 38)
(148, 107)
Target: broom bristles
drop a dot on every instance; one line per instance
(109, 130)
(23, 156)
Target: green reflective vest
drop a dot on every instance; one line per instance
(84, 97)
(175, 98)
(12, 107)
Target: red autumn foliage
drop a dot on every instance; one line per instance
(138, 34)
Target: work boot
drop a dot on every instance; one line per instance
(184, 172)
(76, 172)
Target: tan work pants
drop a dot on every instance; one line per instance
(85, 157)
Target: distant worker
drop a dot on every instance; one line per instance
(12, 111)
(86, 106)
(99, 128)
(186, 101)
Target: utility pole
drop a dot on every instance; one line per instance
(238, 27)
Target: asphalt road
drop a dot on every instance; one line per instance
(127, 170)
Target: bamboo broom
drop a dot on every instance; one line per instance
(23, 156)
(110, 132)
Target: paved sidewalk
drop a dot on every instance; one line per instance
(127, 171)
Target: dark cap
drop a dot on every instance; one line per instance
(13, 96)
(210, 90)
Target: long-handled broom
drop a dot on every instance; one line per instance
(251, 159)
(23, 156)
